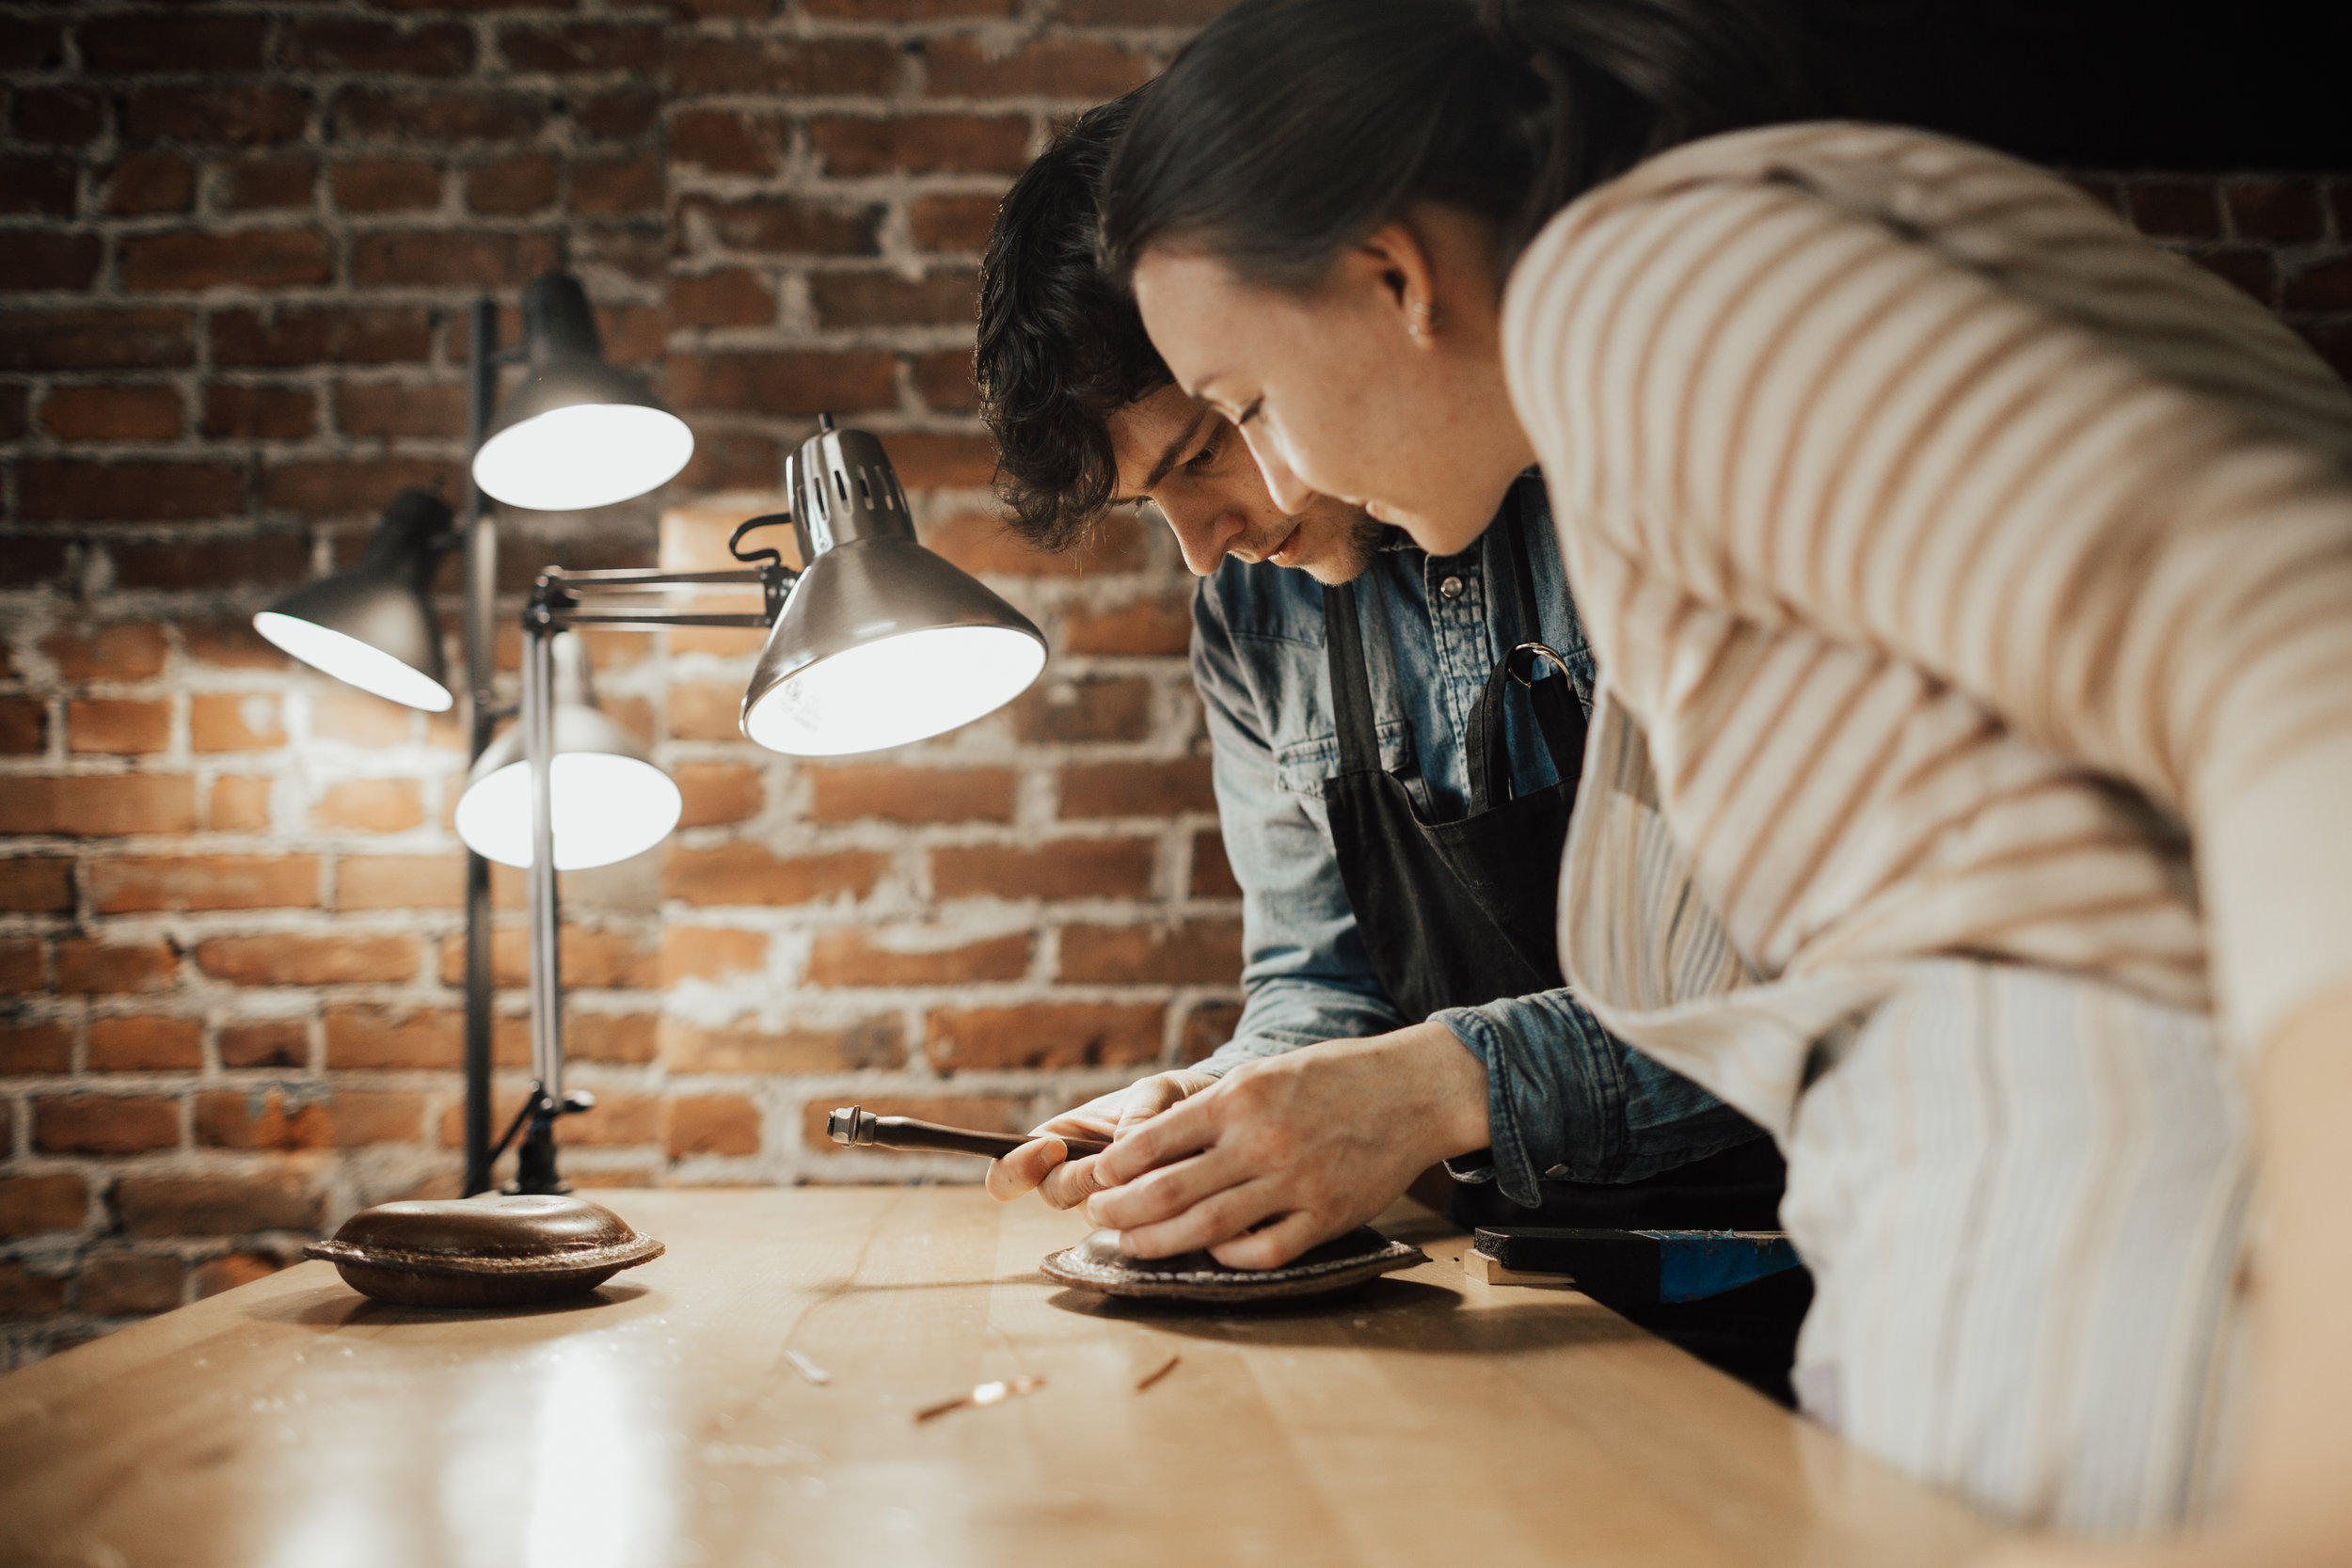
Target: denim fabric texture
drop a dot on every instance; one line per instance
(1564, 1099)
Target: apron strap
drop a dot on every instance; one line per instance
(1558, 714)
(1351, 686)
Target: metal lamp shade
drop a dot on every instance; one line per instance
(374, 626)
(576, 434)
(610, 801)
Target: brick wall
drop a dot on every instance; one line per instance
(238, 242)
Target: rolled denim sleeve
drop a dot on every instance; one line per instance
(1564, 1098)
(1305, 971)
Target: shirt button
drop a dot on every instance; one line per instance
(1450, 588)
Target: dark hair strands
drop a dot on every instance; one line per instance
(1061, 347)
(1289, 129)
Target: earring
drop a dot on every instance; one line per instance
(1424, 323)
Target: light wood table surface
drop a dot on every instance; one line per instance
(1429, 1419)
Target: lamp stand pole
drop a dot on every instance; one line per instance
(480, 544)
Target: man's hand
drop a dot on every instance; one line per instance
(1044, 1164)
(1286, 1153)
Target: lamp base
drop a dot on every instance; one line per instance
(534, 1162)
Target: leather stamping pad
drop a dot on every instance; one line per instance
(495, 1250)
(1097, 1264)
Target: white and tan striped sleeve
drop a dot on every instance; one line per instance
(1805, 414)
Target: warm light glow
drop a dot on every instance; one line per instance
(899, 690)
(588, 454)
(607, 808)
(347, 659)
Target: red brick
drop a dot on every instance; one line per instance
(271, 1043)
(307, 959)
(853, 791)
(21, 968)
(399, 881)
(747, 874)
(23, 726)
(339, 713)
(709, 1124)
(145, 183)
(385, 185)
(2175, 209)
(450, 115)
(2325, 287)
(29, 45)
(783, 382)
(874, 1044)
(32, 259)
(143, 490)
(130, 885)
(1152, 627)
(276, 558)
(266, 184)
(525, 182)
(394, 409)
(1087, 69)
(259, 413)
(368, 805)
(393, 1037)
(239, 804)
(609, 187)
(2249, 267)
(458, 258)
(829, 67)
(105, 1123)
(784, 228)
(216, 1205)
(268, 1119)
(1097, 708)
(255, 256)
(1068, 868)
(121, 1287)
(944, 381)
(27, 1049)
(91, 966)
(719, 792)
(354, 487)
(235, 721)
(725, 141)
(351, 43)
(611, 1037)
(158, 41)
(594, 958)
(146, 1043)
(35, 884)
(704, 710)
(25, 1293)
(906, 10)
(949, 295)
(16, 420)
(937, 462)
(953, 222)
(730, 298)
(992, 1112)
(44, 185)
(616, 112)
(117, 726)
(336, 335)
(1043, 1035)
(250, 115)
(1139, 13)
(702, 952)
(1197, 951)
(114, 804)
(922, 144)
(96, 340)
(231, 643)
(1211, 872)
(57, 117)
(112, 412)
(1138, 789)
(853, 958)
(216, 1275)
(731, 460)
(582, 47)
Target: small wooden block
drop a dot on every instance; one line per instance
(1490, 1271)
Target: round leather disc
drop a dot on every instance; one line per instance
(1097, 1264)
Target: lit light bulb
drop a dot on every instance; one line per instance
(902, 689)
(350, 661)
(583, 456)
(606, 808)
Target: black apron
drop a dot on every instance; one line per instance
(1457, 914)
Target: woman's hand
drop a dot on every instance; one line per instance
(1286, 1153)
(1044, 1166)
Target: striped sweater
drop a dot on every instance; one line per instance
(1970, 577)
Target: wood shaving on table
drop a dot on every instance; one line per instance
(1157, 1372)
(807, 1368)
(986, 1394)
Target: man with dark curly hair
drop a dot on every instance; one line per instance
(1396, 739)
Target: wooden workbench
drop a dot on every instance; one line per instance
(1429, 1419)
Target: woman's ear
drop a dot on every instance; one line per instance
(1398, 261)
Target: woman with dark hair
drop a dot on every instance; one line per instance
(1972, 583)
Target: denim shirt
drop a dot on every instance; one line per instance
(1564, 1098)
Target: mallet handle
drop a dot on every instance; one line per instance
(908, 1132)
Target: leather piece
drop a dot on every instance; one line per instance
(1097, 1264)
(496, 1250)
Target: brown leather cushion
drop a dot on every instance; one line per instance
(488, 1251)
(1097, 1264)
